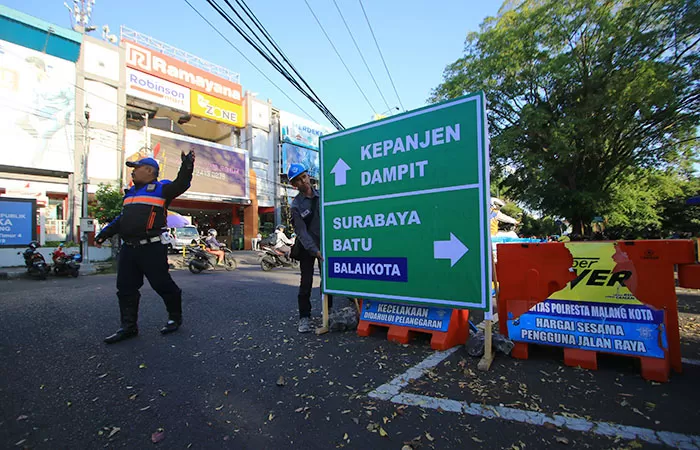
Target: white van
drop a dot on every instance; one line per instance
(184, 236)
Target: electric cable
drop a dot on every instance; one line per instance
(340, 57)
(262, 28)
(274, 62)
(249, 61)
(361, 55)
(380, 54)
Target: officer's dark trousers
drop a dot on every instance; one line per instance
(307, 263)
(150, 260)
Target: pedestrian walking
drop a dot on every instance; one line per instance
(307, 224)
(140, 225)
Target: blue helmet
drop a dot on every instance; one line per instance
(295, 170)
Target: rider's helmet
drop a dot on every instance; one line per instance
(280, 227)
(295, 170)
(211, 232)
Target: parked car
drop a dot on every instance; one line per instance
(183, 237)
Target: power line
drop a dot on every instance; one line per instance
(380, 54)
(340, 57)
(249, 61)
(361, 55)
(267, 35)
(265, 53)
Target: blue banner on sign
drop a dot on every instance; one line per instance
(16, 222)
(635, 330)
(424, 317)
(379, 269)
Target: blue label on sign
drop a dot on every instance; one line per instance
(613, 328)
(378, 269)
(16, 219)
(424, 317)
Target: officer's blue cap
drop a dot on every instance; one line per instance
(144, 162)
(295, 170)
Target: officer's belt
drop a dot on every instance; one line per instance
(142, 241)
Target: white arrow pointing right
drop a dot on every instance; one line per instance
(452, 249)
(340, 170)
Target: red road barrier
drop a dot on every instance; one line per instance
(620, 299)
(456, 334)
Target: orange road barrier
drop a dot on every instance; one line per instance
(596, 297)
(429, 320)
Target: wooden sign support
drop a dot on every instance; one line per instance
(324, 328)
(487, 359)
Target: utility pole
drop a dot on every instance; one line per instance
(85, 183)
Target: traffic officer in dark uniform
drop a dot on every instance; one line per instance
(140, 225)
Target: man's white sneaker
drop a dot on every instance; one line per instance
(304, 325)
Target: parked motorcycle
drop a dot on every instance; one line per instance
(65, 264)
(272, 258)
(35, 262)
(200, 259)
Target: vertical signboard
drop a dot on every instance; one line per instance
(17, 221)
(293, 154)
(299, 131)
(405, 207)
(37, 109)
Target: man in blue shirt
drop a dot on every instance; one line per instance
(307, 225)
(140, 225)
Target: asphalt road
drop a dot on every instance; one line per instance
(238, 375)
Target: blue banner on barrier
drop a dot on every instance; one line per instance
(635, 330)
(423, 317)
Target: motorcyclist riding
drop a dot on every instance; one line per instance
(283, 244)
(214, 246)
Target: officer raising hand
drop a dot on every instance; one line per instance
(140, 225)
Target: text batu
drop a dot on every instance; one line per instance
(378, 269)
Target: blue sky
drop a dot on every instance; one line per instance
(418, 39)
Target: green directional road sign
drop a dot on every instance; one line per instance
(405, 207)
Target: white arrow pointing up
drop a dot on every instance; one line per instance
(452, 249)
(340, 170)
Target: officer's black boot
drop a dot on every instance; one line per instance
(129, 310)
(173, 303)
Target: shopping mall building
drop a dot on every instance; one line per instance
(75, 108)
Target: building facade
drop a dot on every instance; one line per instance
(75, 108)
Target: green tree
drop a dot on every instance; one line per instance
(581, 93)
(108, 203)
(539, 227)
(652, 204)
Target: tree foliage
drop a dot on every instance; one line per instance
(109, 203)
(653, 204)
(581, 94)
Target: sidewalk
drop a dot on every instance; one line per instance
(13, 273)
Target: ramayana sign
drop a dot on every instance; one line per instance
(167, 68)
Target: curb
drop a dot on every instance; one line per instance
(22, 273)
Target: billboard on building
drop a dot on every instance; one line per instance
(165, 67)
(144, 86)
(294, 154)
(37, 109)
(299, 131)
(203, 105)
(17, 221)
(220, 171)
